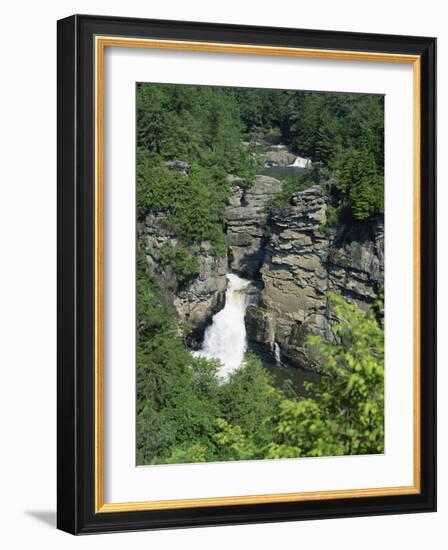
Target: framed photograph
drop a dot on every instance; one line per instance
(246, 274)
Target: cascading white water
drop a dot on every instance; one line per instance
(301, 162)
(225, 338)
(277, 355)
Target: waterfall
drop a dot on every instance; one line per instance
(301, 162)
(225, 338)
(277, 355)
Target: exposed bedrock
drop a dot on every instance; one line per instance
(301, 263)
(247, 228)
(199, 299)
(279, 155)
(289, 253)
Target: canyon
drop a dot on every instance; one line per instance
(290, 256)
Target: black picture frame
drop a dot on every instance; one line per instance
(76, 286)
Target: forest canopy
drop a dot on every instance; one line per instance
(206, 126)
(184, 413)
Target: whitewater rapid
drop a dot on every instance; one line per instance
(225, 338)
(301, 162)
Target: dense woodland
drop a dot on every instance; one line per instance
(184, 414)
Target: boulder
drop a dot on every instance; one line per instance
(279, 155)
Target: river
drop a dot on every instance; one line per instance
(282, 172)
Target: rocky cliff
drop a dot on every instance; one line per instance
(247, 227)
(202, 296)
(198, 299)
(303, 261)
(290, 253)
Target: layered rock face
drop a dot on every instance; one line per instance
(355, 261)
(247, 227)
(293, 259)
(302, 262)
(197, 301)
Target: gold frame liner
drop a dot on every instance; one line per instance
(101, 42)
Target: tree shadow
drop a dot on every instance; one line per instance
(48, 517)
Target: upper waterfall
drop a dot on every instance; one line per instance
(301, 162)
(225, 338)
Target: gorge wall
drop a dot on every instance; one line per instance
(291, 255)
(303, 261)
(247, 223)
(196, 302)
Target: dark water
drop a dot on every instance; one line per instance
(281, 172)
(297, 377)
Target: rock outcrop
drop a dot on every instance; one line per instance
(289, 253)
(178, 166)
(302, 262)
(279, 155)
(200, 298)
(247, 228)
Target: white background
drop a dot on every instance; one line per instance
(28, 273)
(123, 481)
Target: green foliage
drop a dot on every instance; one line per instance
(344, 413)
(250, 400)
(360, 185)
(323, 125)
(193, 203)
(332, 216)
(200, 125)
(193, 453)
(303, 430)
(193, 123)
(232, 443)
(155, 184)
(185, 264)
(185, 414)
(342, 133)
(290, 185)
(352, 388)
